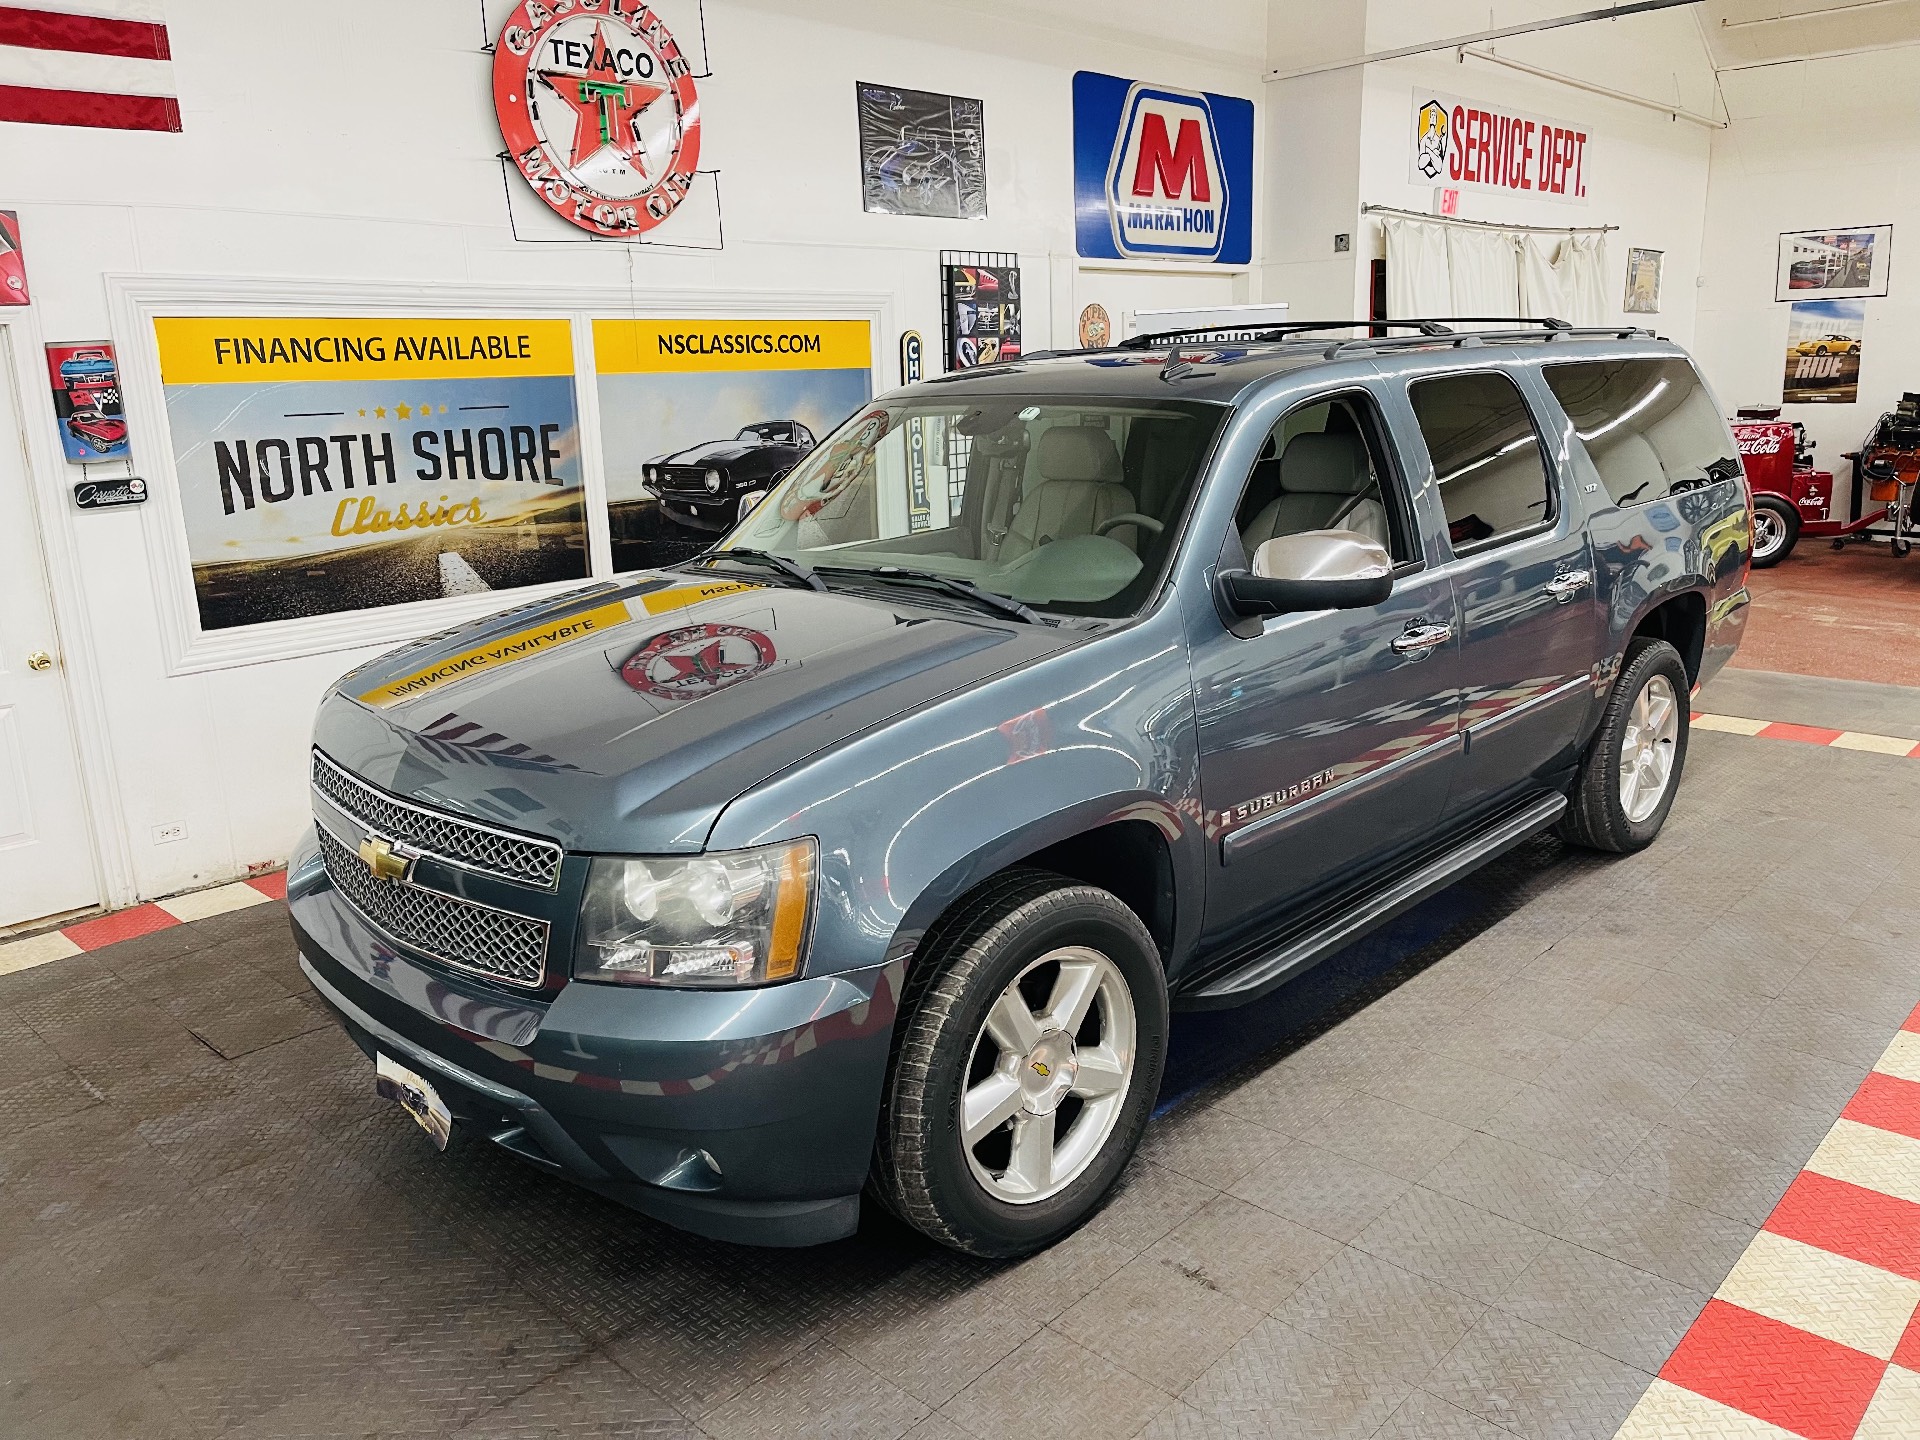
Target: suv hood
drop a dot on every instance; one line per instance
(626, 716)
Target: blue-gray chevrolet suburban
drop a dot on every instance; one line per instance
(867, 852)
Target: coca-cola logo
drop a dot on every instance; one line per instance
(1761, 445)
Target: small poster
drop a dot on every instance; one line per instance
(981, 309)
(1834, 264)
(13, 262)
(698, 418)
(335, 463)
(1823, 352)
(1643, 282)
(86, 399)
(922, 153)
(1096, 327)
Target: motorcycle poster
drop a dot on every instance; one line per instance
(86, 401)
(1823, 352)
(921, 153)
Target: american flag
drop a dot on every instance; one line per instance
(97, 63)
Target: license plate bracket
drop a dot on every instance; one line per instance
(416, 1095)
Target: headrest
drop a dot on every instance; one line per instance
(1078, 452)
(1334, 463)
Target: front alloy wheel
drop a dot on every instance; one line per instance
(1025, 1064)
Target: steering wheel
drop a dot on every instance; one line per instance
(1132, 517)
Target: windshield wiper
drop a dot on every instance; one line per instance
(791, 569)
(952, 585)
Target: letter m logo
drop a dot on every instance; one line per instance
(1166, 188)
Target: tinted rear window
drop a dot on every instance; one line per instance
(1649, 426)
(1486, 456)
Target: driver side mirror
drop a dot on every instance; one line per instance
(1314, 570)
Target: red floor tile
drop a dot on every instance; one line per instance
(273, 884)
(1886, 1102)
(1844, 1219)
(1784, 1376)
(121, 925)
(1813, 734)
(1907, 1356)
(1912, 1022)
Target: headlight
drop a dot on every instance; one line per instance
(650, 472)
(735, 917)
(713, 481)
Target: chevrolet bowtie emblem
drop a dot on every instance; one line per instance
(381, 860)
(1042, 1069)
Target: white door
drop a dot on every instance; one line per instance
(46, 860)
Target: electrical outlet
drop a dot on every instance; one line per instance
(167, 834)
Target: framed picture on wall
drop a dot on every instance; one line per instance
(980, 308)
(1838, 264)
(1643, 282)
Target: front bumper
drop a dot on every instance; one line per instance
(701, 510)
(745, 1115)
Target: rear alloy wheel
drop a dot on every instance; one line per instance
(1632, 770)
(1025, 1064)
(1776, 528)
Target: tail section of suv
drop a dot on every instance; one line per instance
(867, 853)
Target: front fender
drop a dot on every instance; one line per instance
(912, 814)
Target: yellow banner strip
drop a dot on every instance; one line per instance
(633, 347)
(507, 650)
(257, 350)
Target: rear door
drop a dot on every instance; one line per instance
(1523, 575)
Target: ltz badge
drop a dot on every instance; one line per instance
(598, 110)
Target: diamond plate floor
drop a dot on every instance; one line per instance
(1474, 1178)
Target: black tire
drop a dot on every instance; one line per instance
(921, 1170)
(1772, 510)
(1596, 818)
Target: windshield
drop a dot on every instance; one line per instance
(1063, 504)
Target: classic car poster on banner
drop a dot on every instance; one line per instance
(1823, 352)
(921, 153)
(699, 417)
(86, 400)
(335, 464)
(980, 299)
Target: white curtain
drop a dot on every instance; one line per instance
(1565, 276)
(1417, 275)
(1484, 269)
(1435, 269)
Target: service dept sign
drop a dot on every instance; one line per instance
(598, 110)
(1161, 173)
(1465, 144)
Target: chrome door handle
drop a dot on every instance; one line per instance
(1564, 587)
(1419, 640)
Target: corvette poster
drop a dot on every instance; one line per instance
(922, 153)
(86, 401)
(697, 415)
(333, 464)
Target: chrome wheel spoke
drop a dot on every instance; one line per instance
(1030, 1164)
(1011, 1024)
(1101, 1073)
(1073, 992)
(988, 1106)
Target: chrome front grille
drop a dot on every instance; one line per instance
(458, 933)
(522, 859)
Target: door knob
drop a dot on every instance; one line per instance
(39, 660)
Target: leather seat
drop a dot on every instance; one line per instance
(1320, 476)
(1079, 488)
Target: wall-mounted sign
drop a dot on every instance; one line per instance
(108, 494)
(599, 112)
(1643, 282)
(1823, 352)
(1462, 143)
(1834, 264)
(337, 463)
(1160, 173)
(980, 308)
(921, 153)
(911, 353)
(86, 399)
(13, 261)
(1096, 327)
(700, 416)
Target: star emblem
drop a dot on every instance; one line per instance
(604, 108)
(380, 412)
(403, 412)
(709, 662)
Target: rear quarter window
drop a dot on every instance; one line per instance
(1649, 426)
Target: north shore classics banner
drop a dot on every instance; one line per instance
(330, 464)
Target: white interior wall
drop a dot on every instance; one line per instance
(1813, 144)
(348, 160)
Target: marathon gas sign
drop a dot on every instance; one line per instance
(1463, 143)
(1161, 173)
